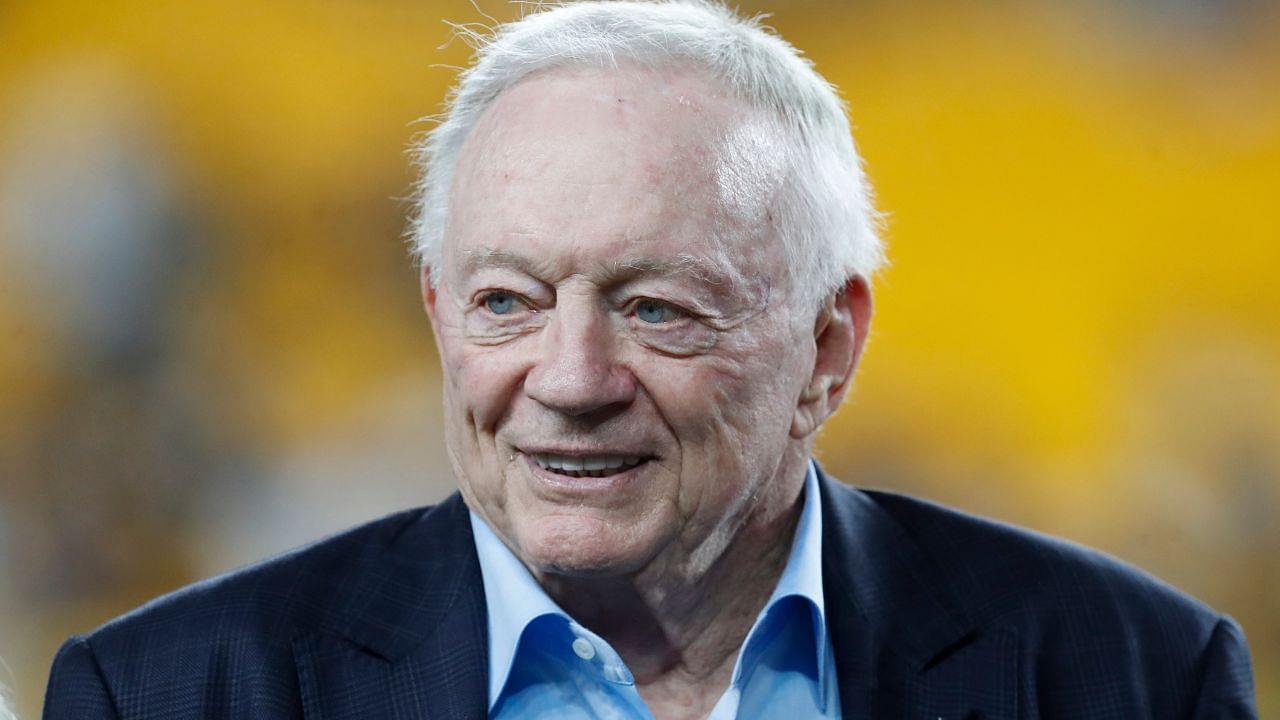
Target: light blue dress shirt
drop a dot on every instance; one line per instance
(543, 664)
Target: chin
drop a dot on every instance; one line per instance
(579, 546)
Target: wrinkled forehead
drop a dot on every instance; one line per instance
(620, 154)
(680, 103)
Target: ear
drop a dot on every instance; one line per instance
(429, 296)
(839, 334)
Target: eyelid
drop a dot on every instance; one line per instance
(686, 301)
(480, 297)
(679, 310)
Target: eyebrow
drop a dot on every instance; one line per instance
(683, 264)
(620, 269)
(484, 258)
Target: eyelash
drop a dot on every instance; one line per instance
(482, 300)
(631, 307)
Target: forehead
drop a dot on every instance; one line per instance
(628, 161)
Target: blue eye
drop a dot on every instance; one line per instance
(500, 303)
(654, 312)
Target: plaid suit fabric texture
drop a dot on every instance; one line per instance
(933, 614)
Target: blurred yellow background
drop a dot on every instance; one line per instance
(211, 345)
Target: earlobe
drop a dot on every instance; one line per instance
(839, 334)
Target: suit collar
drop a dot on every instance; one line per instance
(428, 574)
(408, 639)
(904, 646)
(875, 573)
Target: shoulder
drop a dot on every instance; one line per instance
(297, 590)
(1085, 623)
(233, 635)
(997, 571)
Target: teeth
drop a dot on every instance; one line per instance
(592, 465)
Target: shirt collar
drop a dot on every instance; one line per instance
(802, 578)
(515, 599)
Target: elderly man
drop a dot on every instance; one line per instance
(646, 245)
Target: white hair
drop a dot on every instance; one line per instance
(6, 712)
(825, 217)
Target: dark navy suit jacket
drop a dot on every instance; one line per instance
(933, 613)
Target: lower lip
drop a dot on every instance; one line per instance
(584, 485)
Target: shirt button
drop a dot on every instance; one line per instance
(583, 648)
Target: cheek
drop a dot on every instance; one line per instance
(732, 415)
(480, 386)
(482, 381)
(721, 410)
(740, 388)
(479, 376)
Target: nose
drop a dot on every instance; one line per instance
(577, 373)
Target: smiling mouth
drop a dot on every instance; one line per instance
(579, 466)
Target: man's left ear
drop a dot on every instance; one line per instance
(839, 334)
(428, 291)
(429, 298)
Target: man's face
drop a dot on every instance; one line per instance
(622, 364)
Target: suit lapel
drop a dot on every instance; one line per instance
(410, 640)
(903, 646)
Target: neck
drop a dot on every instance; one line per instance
(678, 625)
